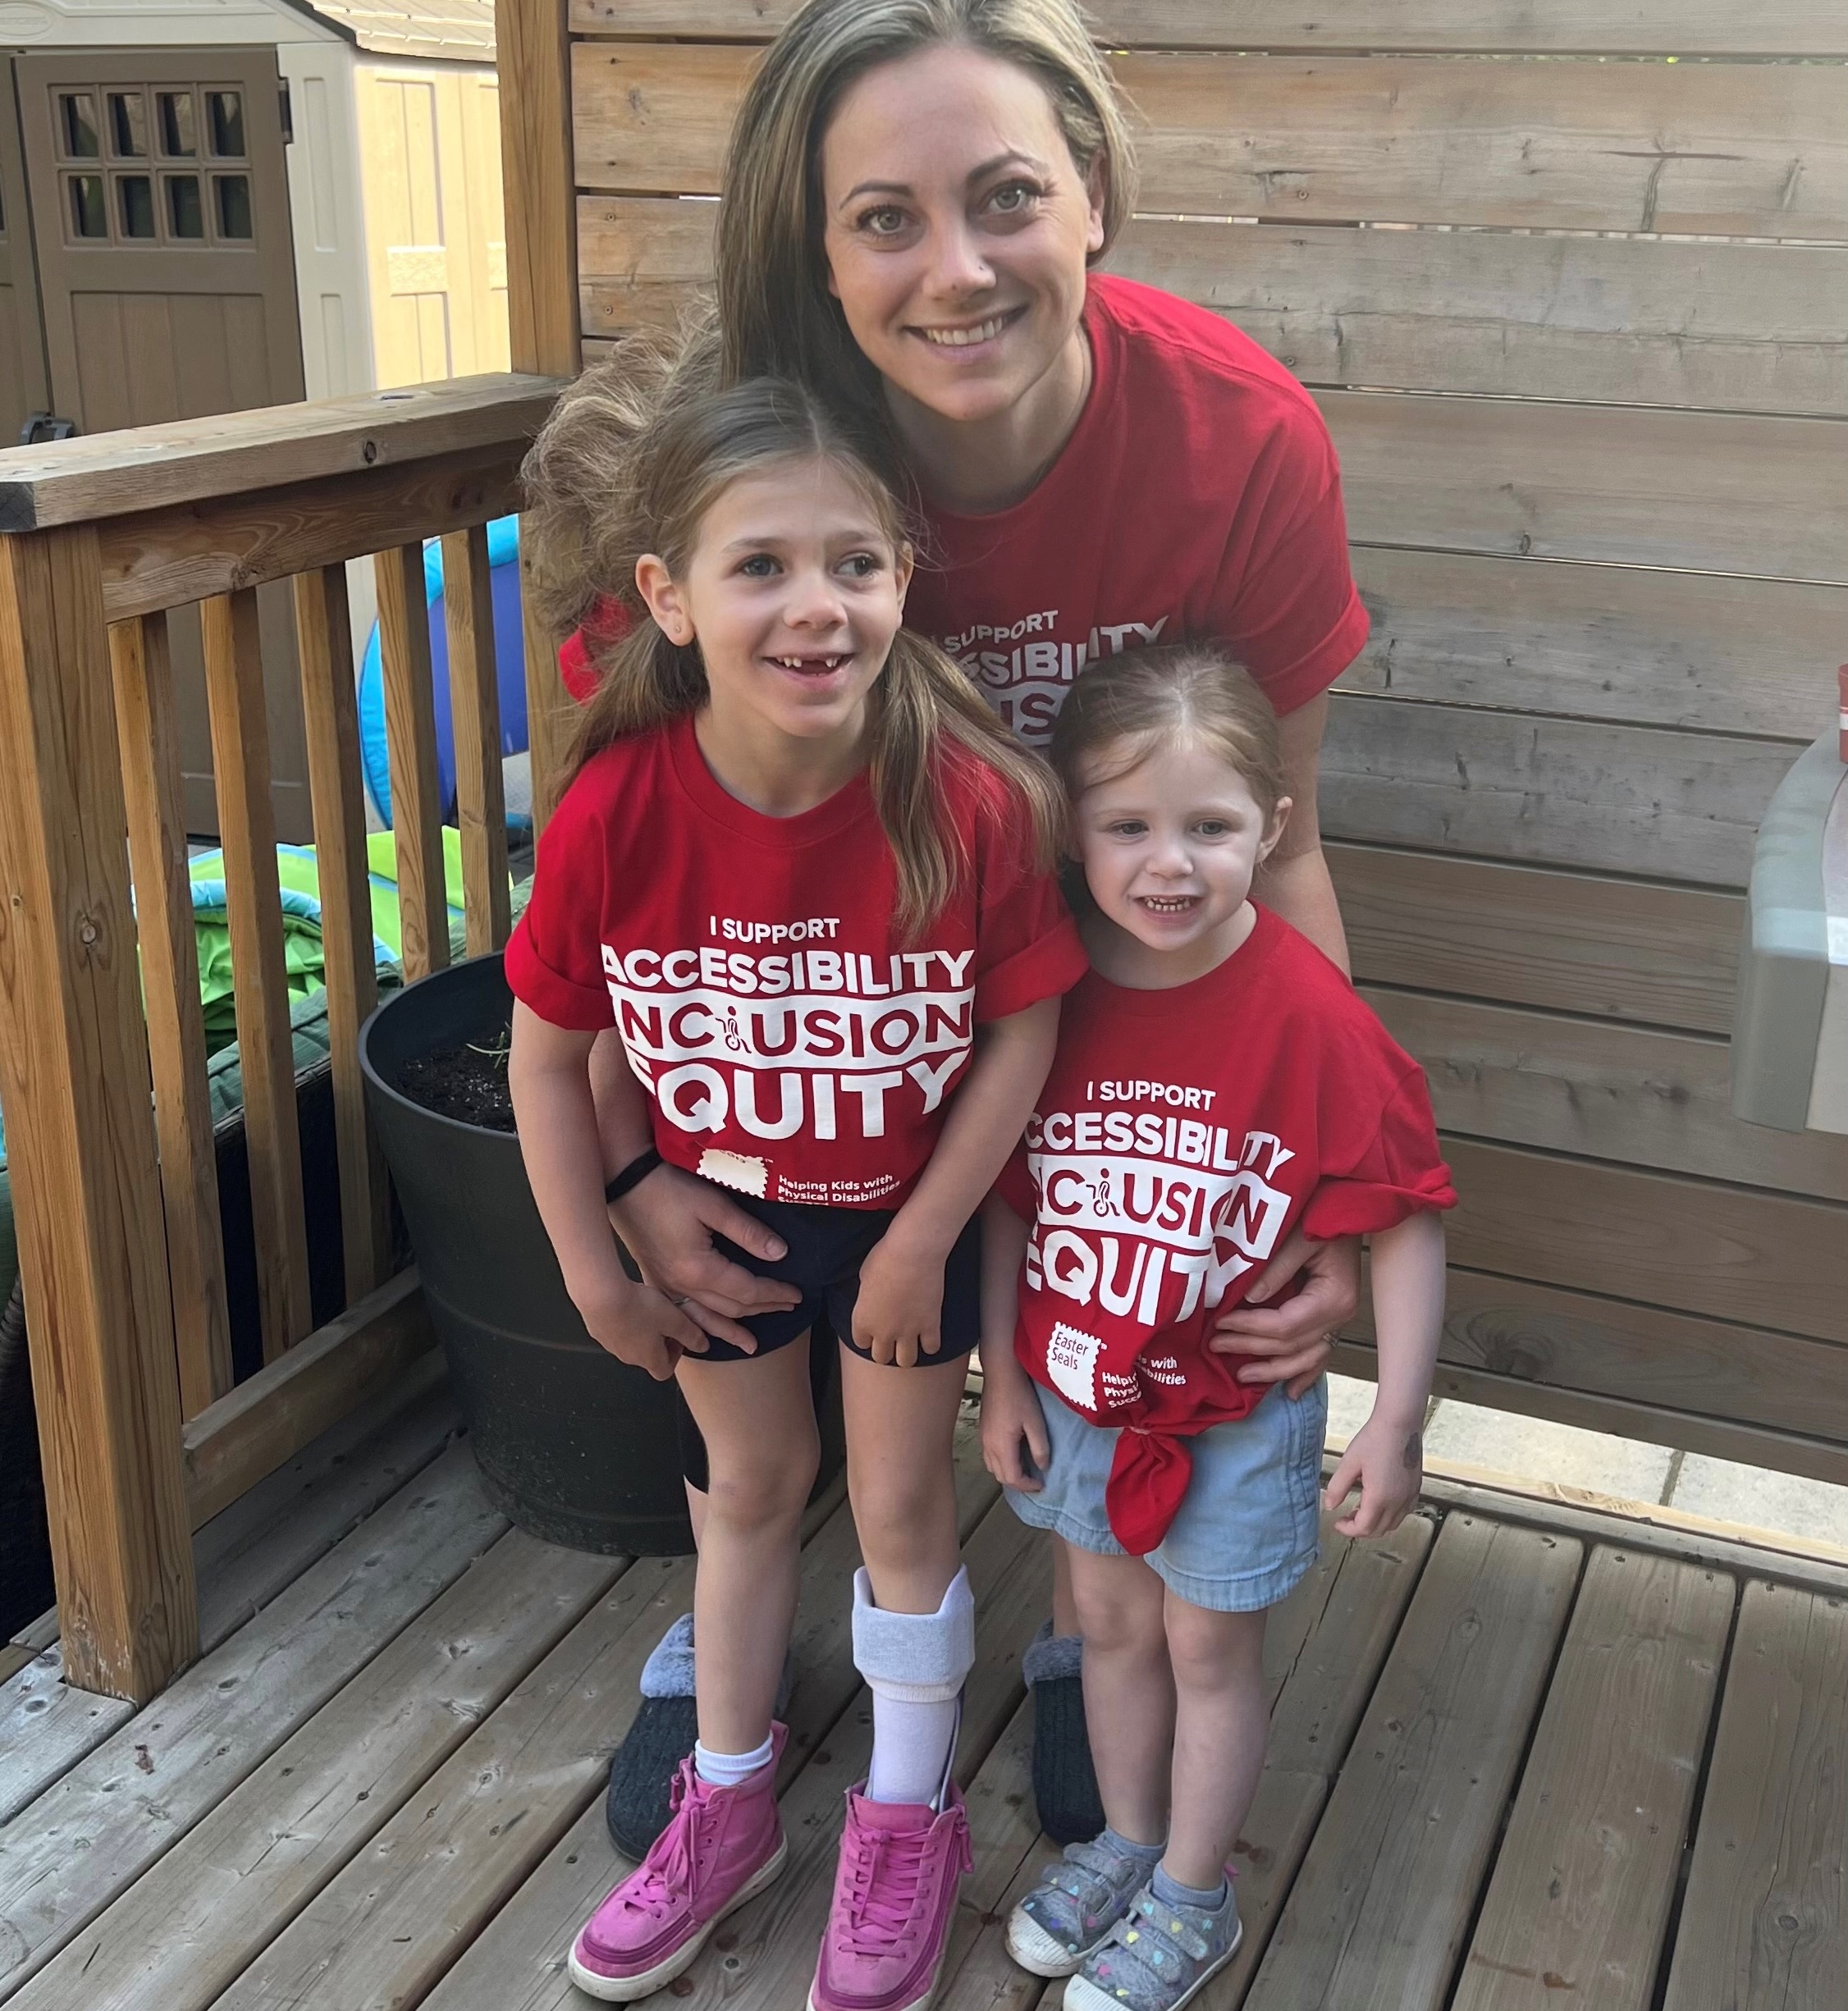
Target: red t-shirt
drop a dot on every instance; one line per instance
(1198, 498)
(1180, 1137)
(795, 1045)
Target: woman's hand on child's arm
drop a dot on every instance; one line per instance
(1010, 1404)
(548, 1074)
(990, 1110)
(668, 1221)
(1293, 1340)
(1385, 1458)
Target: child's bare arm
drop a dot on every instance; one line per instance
(548, 1074)
(900, 1304)
(1010, 1404)
(1385, 1458)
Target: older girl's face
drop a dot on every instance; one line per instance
(956, 229)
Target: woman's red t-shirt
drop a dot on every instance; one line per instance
(1197, 498)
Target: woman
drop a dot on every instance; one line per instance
(916, 193)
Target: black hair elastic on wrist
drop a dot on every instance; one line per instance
(632, 1175)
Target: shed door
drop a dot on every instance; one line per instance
(167, 280)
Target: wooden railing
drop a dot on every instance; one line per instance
(109, 1122)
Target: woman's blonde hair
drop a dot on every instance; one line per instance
(776, 313)
(633, 455)
(1183, 694)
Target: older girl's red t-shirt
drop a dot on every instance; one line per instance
(794, 1044)
(1198, 498)
(1180, 1137)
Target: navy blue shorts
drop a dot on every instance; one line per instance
(826, 1247)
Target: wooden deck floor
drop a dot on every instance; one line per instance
(1519, 1760)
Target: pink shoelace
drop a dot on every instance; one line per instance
(669, 1871)
(887, 1870)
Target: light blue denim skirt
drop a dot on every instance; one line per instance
(1247, 1530)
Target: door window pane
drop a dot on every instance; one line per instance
(224, 113)
(176, 123)
(128, 125)
(233, 193)
(185, 217)
(88, 218)
(76, 117)
(134, 199)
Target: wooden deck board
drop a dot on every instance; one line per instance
(1405, 1678)
(86, 1839)
(186, 1930)
(1581, 1898)
(243, 1558)
(1377, 1915)
(1764, 1925)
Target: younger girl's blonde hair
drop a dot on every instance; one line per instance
(632, 457)
(777, 314)
(1183, 694)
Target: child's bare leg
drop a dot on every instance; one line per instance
(758, 1421)
(914, 1617)
(1129, 1691)
(1221, 1724)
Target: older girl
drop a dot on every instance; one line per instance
(802, 870)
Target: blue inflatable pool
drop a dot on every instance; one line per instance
(510, 659)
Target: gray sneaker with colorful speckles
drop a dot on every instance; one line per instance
(1158, 1956)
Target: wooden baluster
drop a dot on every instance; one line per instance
(234, 683)
(80, 1135)
(410, 731)
(548, 708)
(148, 725)
(324, 643)
(474, 705)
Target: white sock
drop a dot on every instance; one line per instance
(915, 1663)
(728, 1769)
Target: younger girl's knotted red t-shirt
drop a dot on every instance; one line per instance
(1181, 1135)
(794, 1044)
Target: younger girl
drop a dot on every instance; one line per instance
(1217, 1086)
(803, 870)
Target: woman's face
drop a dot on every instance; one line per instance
(957, 225)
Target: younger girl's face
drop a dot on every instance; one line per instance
(1170, 849)
(793, 593)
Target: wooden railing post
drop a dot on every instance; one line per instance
(74, 1074)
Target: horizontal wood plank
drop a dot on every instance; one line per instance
(1677, 805)
(1747, 327)
(146, 467)
(1728, 1253)
(1765, 1921)
(268, 1419)
(1619, 486)
(167, 557)
(1598, 641)
(1717, 1437)
(1750, 150)
(1529, 936)
(1657, 27)
(1579, 1901)
(1742, 328)
(1602, 1090)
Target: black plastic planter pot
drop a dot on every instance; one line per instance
(575, 1446)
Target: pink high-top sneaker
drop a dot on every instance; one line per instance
(722, 1847)
(894, 1902)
